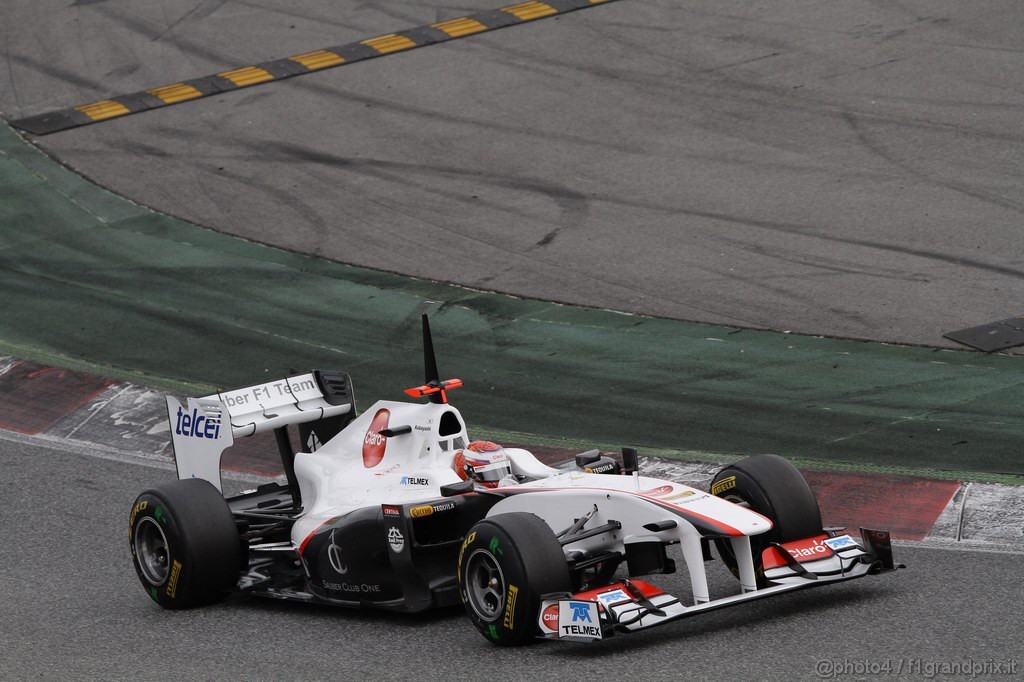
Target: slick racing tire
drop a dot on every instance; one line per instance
(772, 487)
(506, 563)
(184, 544)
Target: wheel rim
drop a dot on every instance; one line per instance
(485, 585)
(151, 550)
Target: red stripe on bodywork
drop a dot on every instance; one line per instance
(680, 511)
(724, 527)
(302, 545)
(642, 586)
(801, 550)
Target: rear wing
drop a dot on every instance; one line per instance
(320, 402)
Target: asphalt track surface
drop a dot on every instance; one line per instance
(847, 169)
(96, 282)
(73, 609)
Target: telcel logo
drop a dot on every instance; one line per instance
(195, 425)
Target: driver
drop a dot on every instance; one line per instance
(485, 463)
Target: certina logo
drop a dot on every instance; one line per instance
(374, 444)
(334, 555)
(195, 425)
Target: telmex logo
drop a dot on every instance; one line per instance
(197, 425)
(580, 611)
(375, 444)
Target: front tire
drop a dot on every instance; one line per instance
(184, 544)
(772, 487)
(506, 563)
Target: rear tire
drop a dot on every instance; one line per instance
(184, 544)
(506, 563)
(774, 488)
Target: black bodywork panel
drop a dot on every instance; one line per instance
(400, 557)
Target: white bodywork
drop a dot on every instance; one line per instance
(361, 467)
(199, 437)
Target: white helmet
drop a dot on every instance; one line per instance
(484, 462)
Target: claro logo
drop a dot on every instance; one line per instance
(374, 444)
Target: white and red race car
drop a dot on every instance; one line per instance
(376, 514)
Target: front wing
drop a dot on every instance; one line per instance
(634, 605)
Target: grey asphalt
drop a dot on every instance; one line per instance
(846, 169)
(839, 168)
(73, 609)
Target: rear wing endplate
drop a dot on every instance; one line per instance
(204, 427)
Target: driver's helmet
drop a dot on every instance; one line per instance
(484, 462)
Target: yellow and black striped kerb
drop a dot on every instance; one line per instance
(297, 65)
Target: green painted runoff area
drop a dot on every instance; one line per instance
(93, 281)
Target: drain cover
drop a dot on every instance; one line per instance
(992, 336)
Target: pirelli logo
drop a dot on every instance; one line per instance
(510, 607)
(297, 65)
(727, 483)
(172, 582)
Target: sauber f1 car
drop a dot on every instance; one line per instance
(397, 509)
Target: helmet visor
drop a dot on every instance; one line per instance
(489, 473)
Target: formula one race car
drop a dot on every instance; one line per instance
(397, 509)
